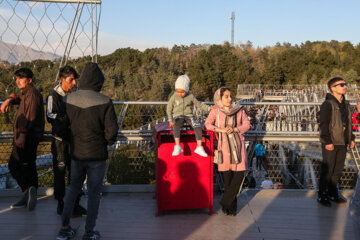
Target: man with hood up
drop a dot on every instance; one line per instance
(335, 136)
(93, 127)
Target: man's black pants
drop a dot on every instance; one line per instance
(22, 163)
(259, 160)
(331, 169)
(61, 163)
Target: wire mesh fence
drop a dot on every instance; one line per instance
(140, 115)
(43, 36)
(33, 30)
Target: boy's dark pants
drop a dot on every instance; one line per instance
(179, 122)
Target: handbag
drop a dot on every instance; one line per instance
(217, 153)
(217, 157)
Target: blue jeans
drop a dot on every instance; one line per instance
(355, 209)
(95, 171)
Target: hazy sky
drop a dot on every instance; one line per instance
(145, 24)
(156, 23)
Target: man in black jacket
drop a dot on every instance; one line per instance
(335, 136)
(93, 127)
(60, 146)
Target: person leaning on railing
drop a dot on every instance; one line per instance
(28, 130)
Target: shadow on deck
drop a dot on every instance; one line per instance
(266, 214)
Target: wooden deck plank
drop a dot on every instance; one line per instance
(273, 214)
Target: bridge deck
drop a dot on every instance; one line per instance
(266, 214)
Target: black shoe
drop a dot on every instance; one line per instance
(91, 235)
(324, 200)
(228, 212)
(338, 199)
(224, 210)
(60, 207)
(65, 234)
(79, 211)
(31, 199)
(231, 213)
(21, 203)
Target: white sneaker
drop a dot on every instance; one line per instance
(200, 150)
(177, 150)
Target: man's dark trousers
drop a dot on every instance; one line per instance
(22, 163)
(61, 162)
(331, 169)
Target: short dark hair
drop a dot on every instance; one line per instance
(67, 71)
(24, 73)
(332, 81)
(222, 90)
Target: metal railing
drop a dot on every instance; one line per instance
(293, 153)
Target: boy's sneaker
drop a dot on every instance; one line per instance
(21, 203)
(91, 235)
(31, 199)
(65, 234)
(177, 150)
(200, 150)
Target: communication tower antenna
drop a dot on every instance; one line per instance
(232, 17)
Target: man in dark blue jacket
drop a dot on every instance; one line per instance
(93, 127)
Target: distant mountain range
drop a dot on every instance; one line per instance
(19, 53)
